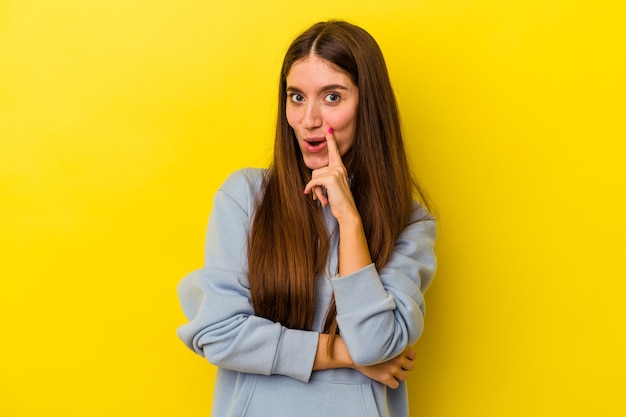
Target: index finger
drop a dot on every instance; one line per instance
(334, 157)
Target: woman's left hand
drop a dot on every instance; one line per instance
(392, 372)
(334, 179)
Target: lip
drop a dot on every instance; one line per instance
(315, 144)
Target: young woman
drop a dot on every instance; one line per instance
(315, 269)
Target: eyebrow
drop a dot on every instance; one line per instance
(324, 88)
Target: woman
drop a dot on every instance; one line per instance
(315, 269)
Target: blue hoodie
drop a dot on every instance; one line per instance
(265, 369)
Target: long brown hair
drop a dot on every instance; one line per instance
(288, 245)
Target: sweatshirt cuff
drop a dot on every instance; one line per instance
(296, 353)
(359, 291)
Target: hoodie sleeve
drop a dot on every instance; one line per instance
(216, 299)
(380, 313)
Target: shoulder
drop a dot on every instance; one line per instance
(421, 213)
(243, 179)
(244, 185)
(422, 221)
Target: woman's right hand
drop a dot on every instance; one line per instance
(392, 371)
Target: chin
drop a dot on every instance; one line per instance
(315, 162)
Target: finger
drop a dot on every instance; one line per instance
(410, 354)
(318, 193)
(334, 156)
(408, 366)
(402, 376)
(313, 189)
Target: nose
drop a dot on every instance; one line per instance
(312, 117)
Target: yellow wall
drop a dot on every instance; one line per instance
(119, 119)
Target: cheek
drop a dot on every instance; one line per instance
(292, 116)
(339, 121)
(346, 144)
(345, 124)
(345, 115)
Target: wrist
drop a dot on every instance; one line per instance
(340, 357)
(350, 222)
(341, 353)
(354, 251)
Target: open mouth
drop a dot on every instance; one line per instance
(315, 145)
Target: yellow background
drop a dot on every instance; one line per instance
(119, 119)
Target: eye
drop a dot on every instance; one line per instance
(296, 97)
(332, 98)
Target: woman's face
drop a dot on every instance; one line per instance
(320, 96)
